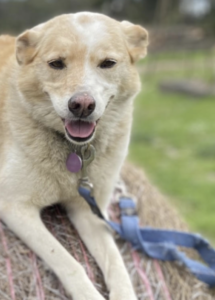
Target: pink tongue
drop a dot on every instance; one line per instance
(79, 128)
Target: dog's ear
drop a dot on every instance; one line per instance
(26, 46)
(136, 38)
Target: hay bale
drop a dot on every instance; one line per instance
(23, 276)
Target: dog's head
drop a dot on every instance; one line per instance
(73, 66)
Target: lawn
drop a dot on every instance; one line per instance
(173, 137)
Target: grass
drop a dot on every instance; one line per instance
(173, 139)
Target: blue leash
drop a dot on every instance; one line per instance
(159, 244)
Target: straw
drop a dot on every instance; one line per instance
(30, 279)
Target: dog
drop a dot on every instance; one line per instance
(66, 83)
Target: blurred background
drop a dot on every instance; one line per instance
(173, 136)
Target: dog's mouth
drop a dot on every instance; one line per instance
(80, 131)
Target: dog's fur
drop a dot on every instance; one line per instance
(34, 146)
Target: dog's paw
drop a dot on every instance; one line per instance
(90, 296)
(122, 295)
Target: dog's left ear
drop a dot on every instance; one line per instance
(137, 40)
(26, 46)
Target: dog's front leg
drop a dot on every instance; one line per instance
(99, 240)
(25, 221)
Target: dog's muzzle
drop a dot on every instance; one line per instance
(81, 105)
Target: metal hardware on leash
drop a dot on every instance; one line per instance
(85, 187)
(88, 155)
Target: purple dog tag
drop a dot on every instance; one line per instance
(74, 163)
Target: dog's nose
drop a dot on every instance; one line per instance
(82, 105)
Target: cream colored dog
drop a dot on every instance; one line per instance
(69, 81)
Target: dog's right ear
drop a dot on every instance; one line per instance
(26, 46)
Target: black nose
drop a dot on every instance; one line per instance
(82, 105)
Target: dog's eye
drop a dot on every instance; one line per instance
(57, 64)
(107, 64)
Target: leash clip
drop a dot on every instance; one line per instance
(88, 155)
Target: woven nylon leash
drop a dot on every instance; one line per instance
(156, 243)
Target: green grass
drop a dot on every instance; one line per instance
(173, 139)
(179, 55)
